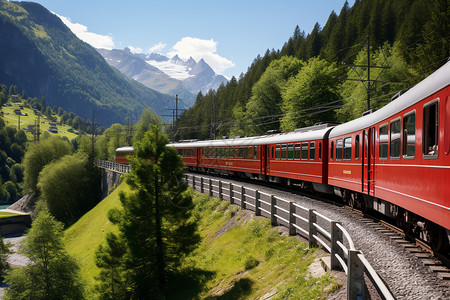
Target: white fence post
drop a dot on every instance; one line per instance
(242, 196)
(273, 217)
(355, 276)
(257, 203)
(210, 187)
(312, 229)
(231, 194)
(292, 230)
(336, 236)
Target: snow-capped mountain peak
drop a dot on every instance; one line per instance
(193, 76)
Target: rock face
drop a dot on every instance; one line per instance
(110, 179)
(24, 204)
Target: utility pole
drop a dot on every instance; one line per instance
(368, 83)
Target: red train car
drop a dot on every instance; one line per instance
(122, 153)
(396, 160)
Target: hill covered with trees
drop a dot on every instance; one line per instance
(305, 81)
(39, 54)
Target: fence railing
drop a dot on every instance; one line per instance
(113, 166)
(317, 228)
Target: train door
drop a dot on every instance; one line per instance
(264, 159)
(369, 162)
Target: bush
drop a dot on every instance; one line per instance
(251, 263)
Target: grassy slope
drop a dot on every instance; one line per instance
(83, 238)
(11, 119)
(240, 256)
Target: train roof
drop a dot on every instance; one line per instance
(259, 140)
(432, 84)
(125, 149)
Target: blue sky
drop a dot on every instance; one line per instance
(228, 34)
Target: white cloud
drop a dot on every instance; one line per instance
(94, 39)
(198, 49)
(157, 48)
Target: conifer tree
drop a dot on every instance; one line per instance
(51, 273)
(153, 222)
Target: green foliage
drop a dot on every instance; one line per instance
(153, 222)
(4, 252)
(263, 110)
(418, 29)
(51, 273)
(399, 74)
(112, 282)
(39, 155)
(308, 95)
(68, 188)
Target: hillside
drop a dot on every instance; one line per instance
(240, 255)
(39, 54)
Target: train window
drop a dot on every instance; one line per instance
(291, 151)
(241, 152)
(277, 152)
(348, 148)
(357, 147)
(339, 149)
(304, 151)
(255, 152)
(312, 151)
(409, 135)
(430, 129)
(250, 152)
(236, 152)
(384, 141)
(320, 151)
(331, 150)
(395, 134)
(283, 151)
(297, 151)
(245, 152)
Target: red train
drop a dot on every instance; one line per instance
(395, 161)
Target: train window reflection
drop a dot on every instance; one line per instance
(430, 129)
(312, 151)
(304, 150)
(409, 135)
(339, 149)
(348, 148)
(290, 151)
(384, 141)
(395, 139)
(297, 151)
(277, 152)
(283, 151)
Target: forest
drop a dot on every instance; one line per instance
(322, 76)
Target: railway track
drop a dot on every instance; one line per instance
(406, 265)
(437, 263)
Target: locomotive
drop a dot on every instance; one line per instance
(395, 160)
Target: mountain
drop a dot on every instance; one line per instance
(136, 67)
(39, 54)
(166, 75)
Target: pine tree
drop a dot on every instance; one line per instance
(153, 223)
(51, 273)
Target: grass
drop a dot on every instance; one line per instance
(240, 256)
(247, 258)
(11, 119)
(6, 214)
(83, 238)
